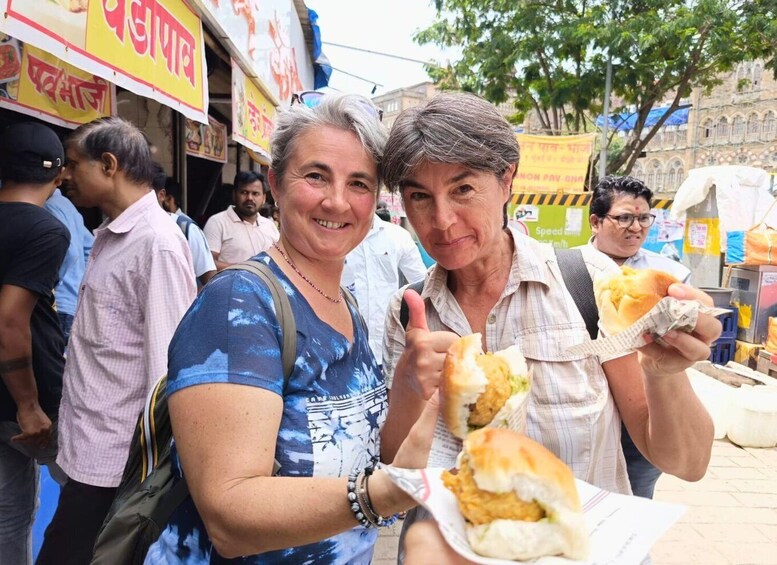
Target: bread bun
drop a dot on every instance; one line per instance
(511, 471)
(465, 387)
(623, 298)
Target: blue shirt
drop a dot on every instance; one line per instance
(81, 239)
(334, 404)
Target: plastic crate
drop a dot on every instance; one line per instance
(722, 351)
(729, 321)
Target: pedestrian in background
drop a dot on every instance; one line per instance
(240, 232)
(138, 283)
(74, 265)
(32, 247)
(620, 219)
(202, 259)
(376, 269)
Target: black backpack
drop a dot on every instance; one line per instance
(150, 491)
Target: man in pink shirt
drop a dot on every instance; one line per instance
(138, 284)
(240, 232)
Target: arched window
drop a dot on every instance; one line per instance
(674, 175)
(655, 176)
(681, 135)
(769, 125)
(757, 70)
(638, 172)
(738, 129)
(721, 131)
(753, 125)
(707, 131)
(743, 70)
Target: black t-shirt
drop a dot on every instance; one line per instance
(33, 244)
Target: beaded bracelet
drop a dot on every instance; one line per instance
(361, 505)
(353, 500)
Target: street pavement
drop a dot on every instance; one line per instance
(731, 517)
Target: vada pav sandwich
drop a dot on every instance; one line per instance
(518, 499)
(623, 298)
(477, 388)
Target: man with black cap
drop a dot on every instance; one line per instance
(33, 247)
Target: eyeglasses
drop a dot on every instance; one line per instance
(312, 98)
(626, 220)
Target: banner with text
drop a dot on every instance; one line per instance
(208, 142)
(253, 115)
(266, 40)
(551, 163)
(153, 48)
(38, 84)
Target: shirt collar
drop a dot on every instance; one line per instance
(232, 215)
(525, 268)
(127, 220)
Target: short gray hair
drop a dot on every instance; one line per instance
(348, 112)
(120, 138)
(454, 128)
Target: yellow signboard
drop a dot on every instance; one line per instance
(553, 163)
(52, 90)
(253, 115)
(152, 47)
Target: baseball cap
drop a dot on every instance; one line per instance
(30, 144)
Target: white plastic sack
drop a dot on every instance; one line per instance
(742, 196)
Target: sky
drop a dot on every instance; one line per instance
(376, 25)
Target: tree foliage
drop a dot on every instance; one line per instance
(550, 56)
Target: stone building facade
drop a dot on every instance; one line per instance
(735, 124)
(394, 101)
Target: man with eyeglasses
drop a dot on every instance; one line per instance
(620, 220)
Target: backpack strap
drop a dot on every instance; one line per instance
(404, 312)
(282, 309)
(351, 299)
(579, 284)
(183, 222)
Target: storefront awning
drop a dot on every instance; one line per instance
(154, 49)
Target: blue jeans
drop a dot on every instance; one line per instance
(66, 323)
(642, 474)
(19, 477)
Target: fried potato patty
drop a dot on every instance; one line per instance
(483, 507)
(497, 391)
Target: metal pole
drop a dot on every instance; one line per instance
(606, 112)
(179, 158)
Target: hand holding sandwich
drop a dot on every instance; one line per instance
(680, 350)
(655, 399)
(627, 296)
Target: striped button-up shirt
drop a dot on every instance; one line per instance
(571, 410)
(138, 284)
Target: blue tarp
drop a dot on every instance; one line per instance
(321, 67)
(627, 120)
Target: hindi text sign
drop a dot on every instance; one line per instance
(253, 115)
(552, 163)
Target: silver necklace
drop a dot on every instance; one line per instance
(337, 300)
